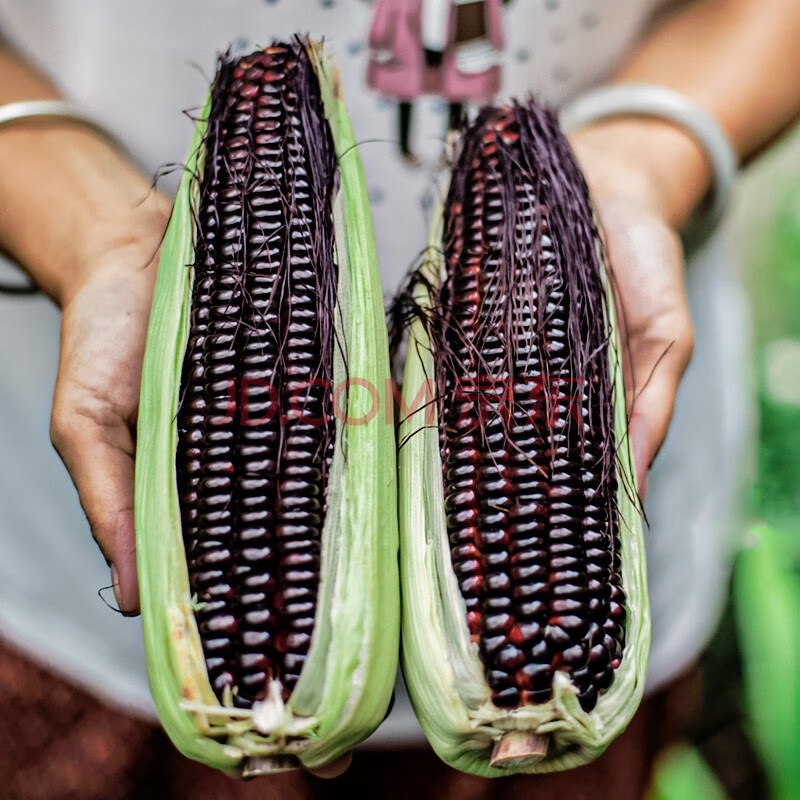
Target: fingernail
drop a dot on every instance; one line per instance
(640, 456)
(641, 484)
(116, 587)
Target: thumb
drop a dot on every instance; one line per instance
(100, 460)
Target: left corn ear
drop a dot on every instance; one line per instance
(525, 620)
(266, 527)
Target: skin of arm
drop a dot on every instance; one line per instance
(87, 226)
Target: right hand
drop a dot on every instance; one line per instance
(639, 222)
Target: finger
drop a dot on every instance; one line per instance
(641, 445)
(99, 458)
(335, 768)
(658, 373)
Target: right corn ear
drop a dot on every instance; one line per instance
(525, 613)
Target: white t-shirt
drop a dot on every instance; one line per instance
(136, 66)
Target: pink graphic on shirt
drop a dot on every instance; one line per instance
(446, 48)
(399, 67)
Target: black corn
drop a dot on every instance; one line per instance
(256, 433)
(526, 415)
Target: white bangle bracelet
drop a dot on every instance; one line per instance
(55, 109)
(658, 101)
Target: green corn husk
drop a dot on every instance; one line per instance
(441, 666)
(346, 684)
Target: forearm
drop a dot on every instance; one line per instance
(66, 195)
(737, 59)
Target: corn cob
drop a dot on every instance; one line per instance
(525, 619)
(266, 533)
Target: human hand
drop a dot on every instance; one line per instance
(638, 214)
(96, 400)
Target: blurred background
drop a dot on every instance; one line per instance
(746, 743)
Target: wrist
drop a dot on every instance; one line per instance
(69, 198)
(128, 239)
(648, 161)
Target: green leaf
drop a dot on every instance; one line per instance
(767, 607)
(682, 774)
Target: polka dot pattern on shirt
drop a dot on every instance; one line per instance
(427, 200)
(562, 73)
(590, 19)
